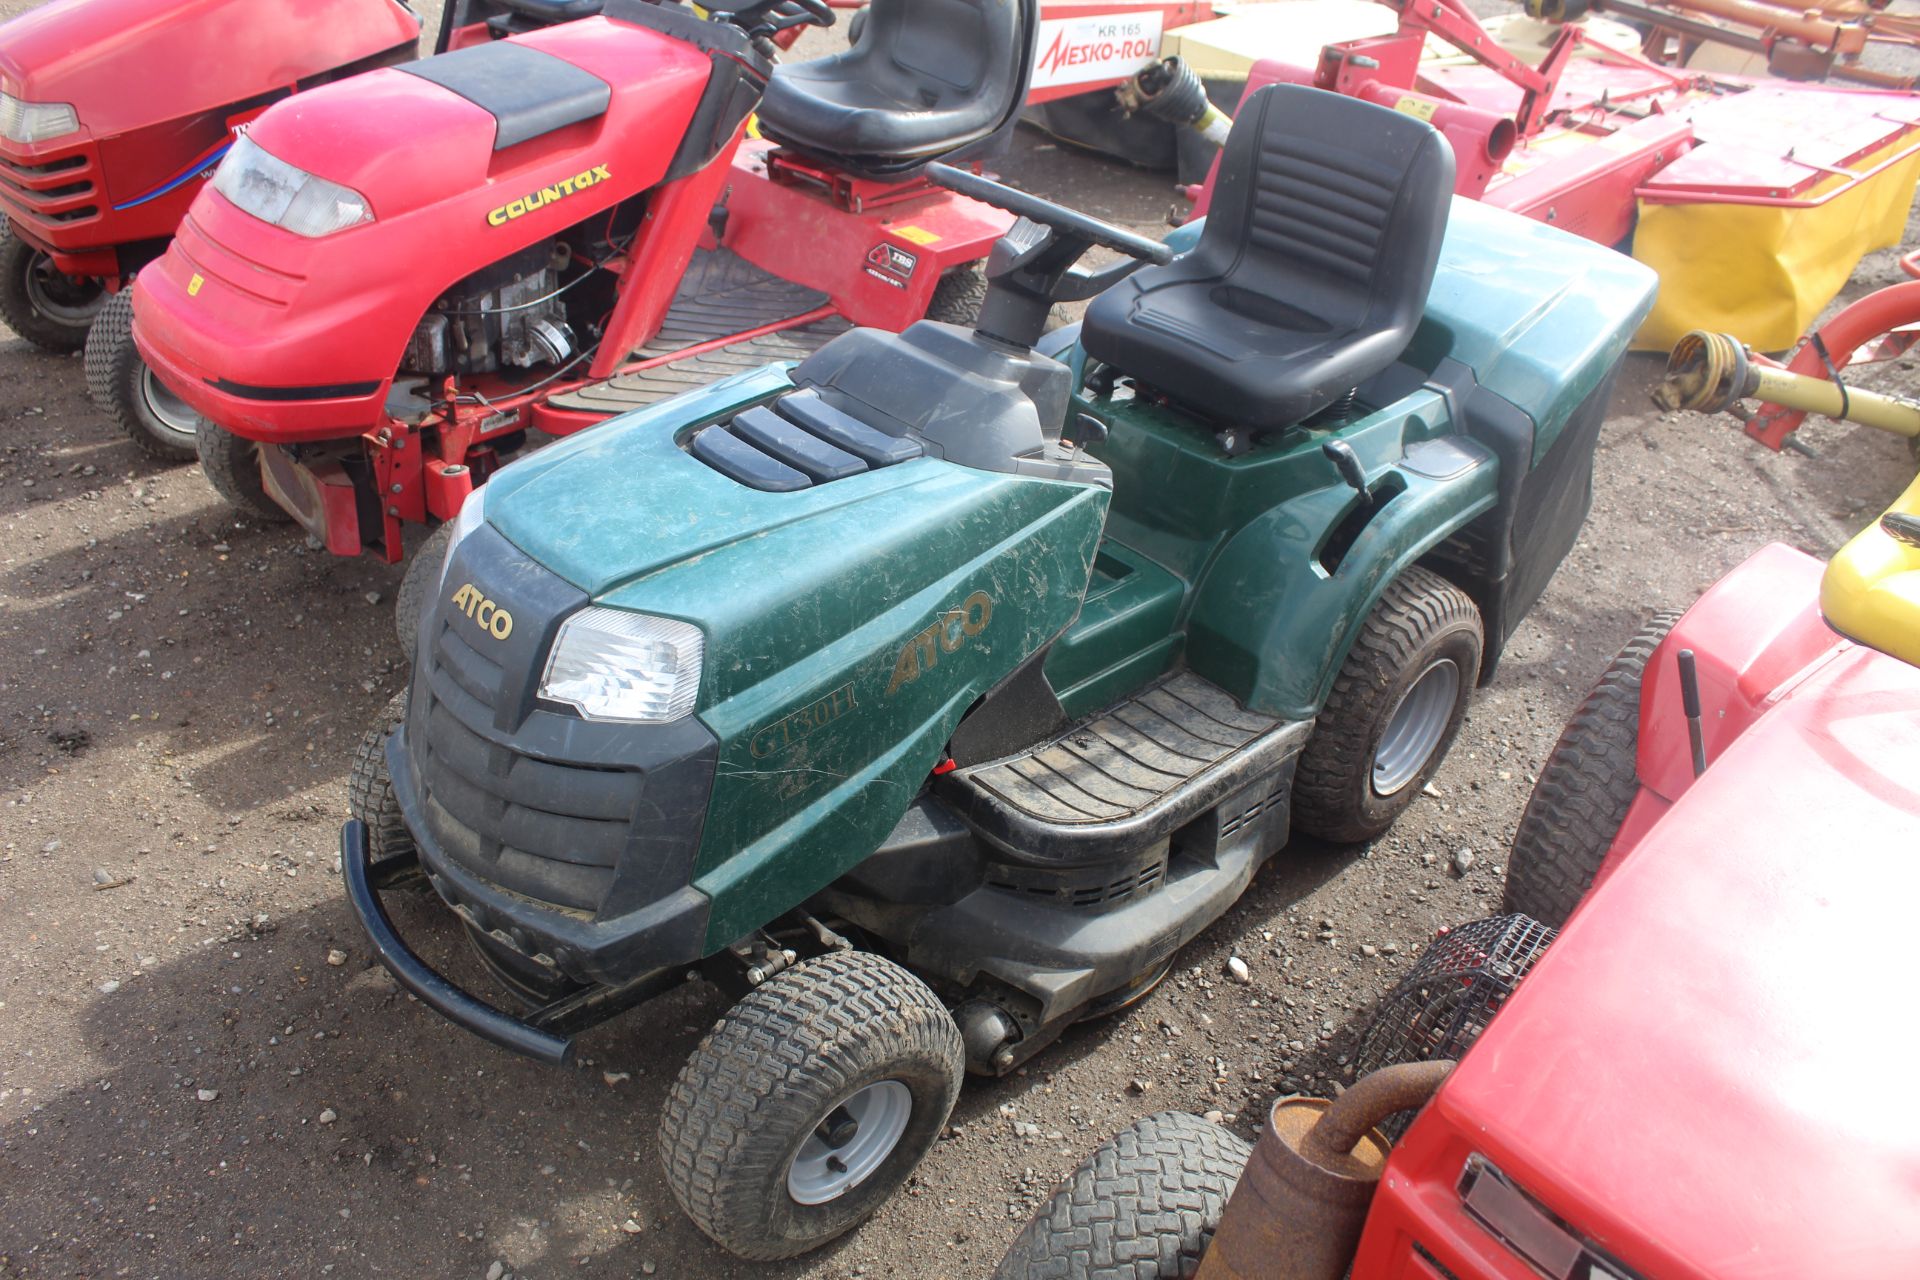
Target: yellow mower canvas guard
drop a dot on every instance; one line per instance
(1764, 271)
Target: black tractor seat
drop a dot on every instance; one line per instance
(927, 80)
(1312, 269)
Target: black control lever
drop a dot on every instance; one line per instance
(1347, 463)
(1901, 527)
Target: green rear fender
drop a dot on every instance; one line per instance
(1273, 623)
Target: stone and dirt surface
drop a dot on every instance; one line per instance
(203, 1074)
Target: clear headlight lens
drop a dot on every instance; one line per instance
(35, 121)
(609, 664)
(473, 514)
(275, 192)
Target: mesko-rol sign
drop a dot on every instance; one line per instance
(1082, 50)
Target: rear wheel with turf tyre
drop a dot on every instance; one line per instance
(1145, 1204)
(232, 467)
(957, 298)
(1396, 705)
(416, 584)
(809, 1102)
(160, 424)
(42, 304)
(370, 787)
(1584, 791)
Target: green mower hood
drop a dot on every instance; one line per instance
(847, 626)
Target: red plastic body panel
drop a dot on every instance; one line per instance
(1704, 1075)
(273, 309)
(146, 137)
(879, 265)
(1752, 634)
(1687, 1078)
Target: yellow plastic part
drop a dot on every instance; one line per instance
(1871, 590)
(1764, 273)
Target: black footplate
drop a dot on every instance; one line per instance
(1130, 774)
(720, 296)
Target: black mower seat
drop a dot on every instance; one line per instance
(1312, 270)
(925, 79)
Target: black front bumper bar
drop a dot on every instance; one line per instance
(416, 976)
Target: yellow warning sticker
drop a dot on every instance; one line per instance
(918, 235)
(193, 285)
(1413, 106)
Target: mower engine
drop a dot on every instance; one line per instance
(507, 314)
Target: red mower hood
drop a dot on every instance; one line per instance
(1710, 1073)
(123, 64)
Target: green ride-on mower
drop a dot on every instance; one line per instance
(931, 692)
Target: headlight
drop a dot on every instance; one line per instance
(275, 192)
(473, 514)
(35, 121)
(609, 664)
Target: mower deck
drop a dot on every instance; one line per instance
(721, 296)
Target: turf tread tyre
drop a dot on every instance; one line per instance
(957, 298)
(1418, 615)
(232, 466)
(17, 308)
(771, 1069)
(1585, 789)
(370, 795)
(1144, 1206)
(417, 582)
(115, 373)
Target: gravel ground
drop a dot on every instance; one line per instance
(202, 1073)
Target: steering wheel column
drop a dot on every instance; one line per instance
(1030, 267)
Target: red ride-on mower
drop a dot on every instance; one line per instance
(393, 280)
(1672, 1087)
(111, 114)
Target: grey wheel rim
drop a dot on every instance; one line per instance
(59, 297)
(1416, 727)
(169, 409)
(854, 1139)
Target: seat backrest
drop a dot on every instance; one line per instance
(940, 50)
(1328, 209)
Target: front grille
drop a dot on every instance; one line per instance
(550, 832)
(48, 192)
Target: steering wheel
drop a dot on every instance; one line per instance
(1067, 221)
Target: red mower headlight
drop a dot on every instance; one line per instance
(289, 198)
(35, 121)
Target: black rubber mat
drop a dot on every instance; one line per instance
(721, 294)
(1127, 759)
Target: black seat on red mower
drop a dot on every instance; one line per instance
(927, 80)
(1312, 269)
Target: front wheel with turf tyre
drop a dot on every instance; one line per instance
(809, 1102)
(42, 304)
(1396, 705)
(160, 424)
(1584, 791)
(232, 467)
(422, 576)
(370, 795)
(1145, 1204)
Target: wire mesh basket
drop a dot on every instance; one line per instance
(1440, 1008)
